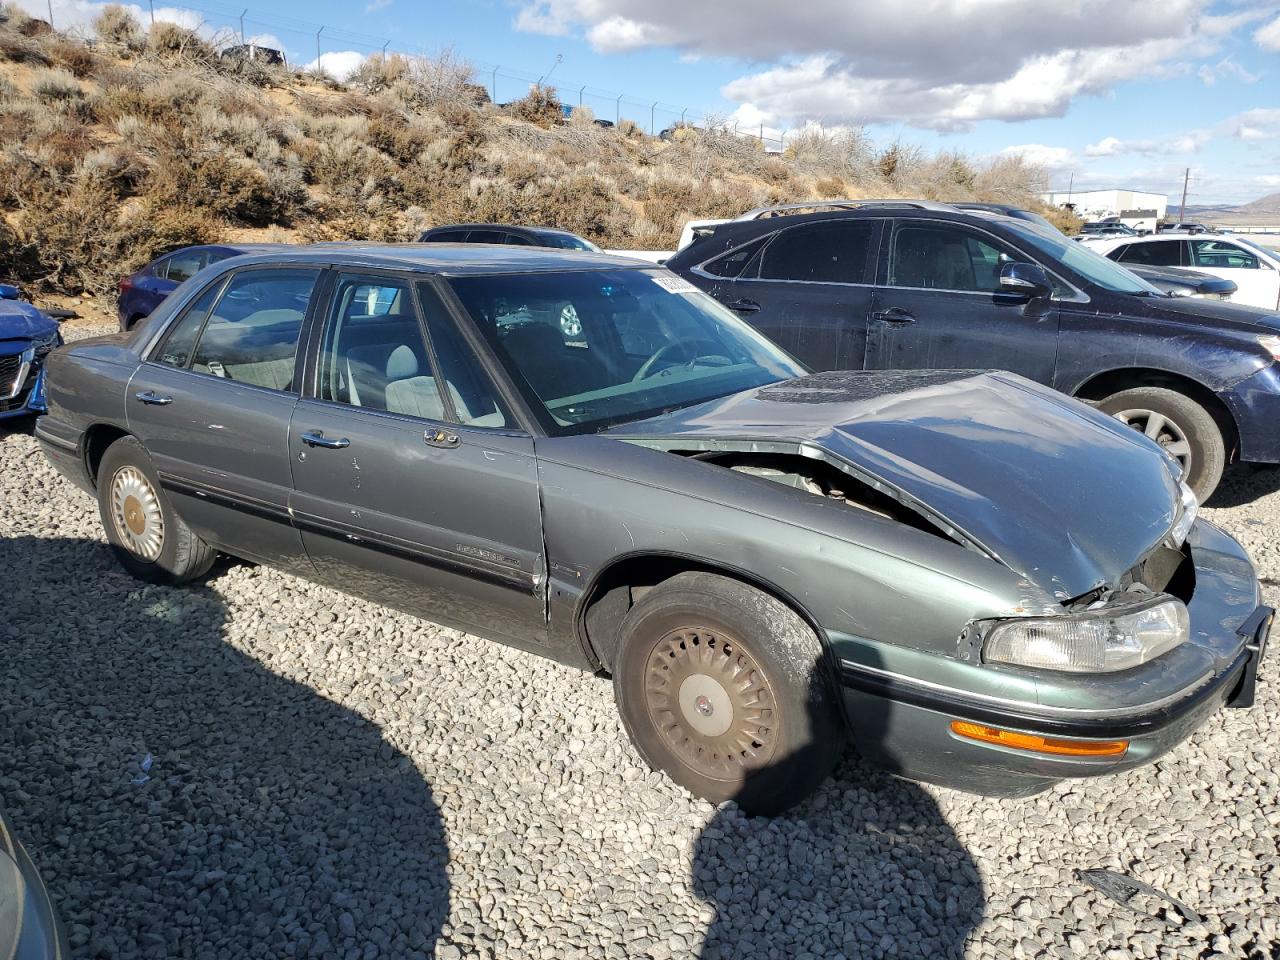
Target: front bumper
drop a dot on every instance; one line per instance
(24, 396)
(1255, 406)
(903, 721)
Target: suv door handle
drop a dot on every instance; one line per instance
(744, 306)
(316, 438)
(894, 315)
(153, 398)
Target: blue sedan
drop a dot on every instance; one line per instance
(142, 292)
(26, 337)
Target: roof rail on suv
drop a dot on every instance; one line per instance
(778, 210)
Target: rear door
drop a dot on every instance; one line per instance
(808, 288)
(1257, 282)
(410, 479)
(212, 403)
(940, 305)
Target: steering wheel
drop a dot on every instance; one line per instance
(646, 368)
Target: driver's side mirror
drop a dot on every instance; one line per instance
(1025, 279)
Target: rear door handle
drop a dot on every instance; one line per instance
(894, 315)
(153, 398)
(744, 306)
(316, 438)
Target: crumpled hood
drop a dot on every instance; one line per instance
(22, 321)
(1066, 496)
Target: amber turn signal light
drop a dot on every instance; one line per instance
(1037, 743)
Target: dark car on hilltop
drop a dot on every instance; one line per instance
(143, 291)
(990, 584)
(906, 284)
(519, 236)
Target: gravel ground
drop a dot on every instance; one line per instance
(330, 779)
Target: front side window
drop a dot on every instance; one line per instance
(942, 256)
(1222, 255)
(1157, 253)
(591, 348)
(515, 240)
(251, 335)
(834, 252)
(176, 349)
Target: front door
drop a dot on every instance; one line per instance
(940, 306)
(411, 484)
(1257, 282)
(212, 404)
(809, 290)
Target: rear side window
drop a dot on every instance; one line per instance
(732, 264)
(1158, 253)
(183, 266)
(446, 236)
(518, 241)
(486, 236)
(943, 256)
(251, 335)
(835, 252)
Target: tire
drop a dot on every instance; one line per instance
(146, 533)
(1184, 428)
(676, 641)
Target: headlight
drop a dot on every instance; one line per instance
(1270, 343)
(1097, 641)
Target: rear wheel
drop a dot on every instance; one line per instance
(726, 690)
(1185, 429)
(148, 536)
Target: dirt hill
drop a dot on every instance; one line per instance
(141, 141)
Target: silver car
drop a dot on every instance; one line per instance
(768, 563)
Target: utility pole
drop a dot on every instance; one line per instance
(319, 68)
(152, 4)
(242, 13)
(1182, 211)
(1071, 182)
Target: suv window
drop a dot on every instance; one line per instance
(1157, 253)
(731, 264)
(252, 334)
(486, 236)
(183, 266)
(445, 236)
(943, 256)
(1220, 254)
(518, 241)
(837, 251)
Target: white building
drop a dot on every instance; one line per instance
(1142, 211)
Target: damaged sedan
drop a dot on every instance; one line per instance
(975, 580)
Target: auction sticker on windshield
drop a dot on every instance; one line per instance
(675, 284)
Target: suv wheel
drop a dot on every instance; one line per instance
(149, 538)
(726, 690)
(1185, 429)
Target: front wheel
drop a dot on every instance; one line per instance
(726, 690)
(1185, 429)
(148, 536)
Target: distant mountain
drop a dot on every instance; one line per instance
(1264, 210)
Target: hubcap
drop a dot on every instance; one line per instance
(135, 511)
(711, 703)
(1163, 431)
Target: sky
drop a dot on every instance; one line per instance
(1102, 93)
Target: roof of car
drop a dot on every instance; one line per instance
(445, 258)
(501, 226)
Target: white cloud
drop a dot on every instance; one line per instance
(1260, 124)
(1040, 155)
(943, 64)
(78, 16)
(373, 6)
(1189, 142)
(340, 64)
(1268, 37)
(1226, 67)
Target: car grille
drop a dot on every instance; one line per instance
(9, 369)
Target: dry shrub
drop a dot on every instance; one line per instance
(169, 41)
(73, 56)
(19, 49)
(540, 105)
(377, 73)
(55, 84)
(830, 188)
(118, 27)
(396, 137)
(228, 187)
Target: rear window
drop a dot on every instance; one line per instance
(835, 252)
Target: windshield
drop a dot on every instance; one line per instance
(1032, 217)
(1077, 257)
(590, 349)
(1270, 252)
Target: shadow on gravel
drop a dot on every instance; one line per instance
(1244, 483)
(271, 822)
(865, 867)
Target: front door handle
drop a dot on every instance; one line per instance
(744, 306)
(894, 315)
(316, 438)
(152, 398)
